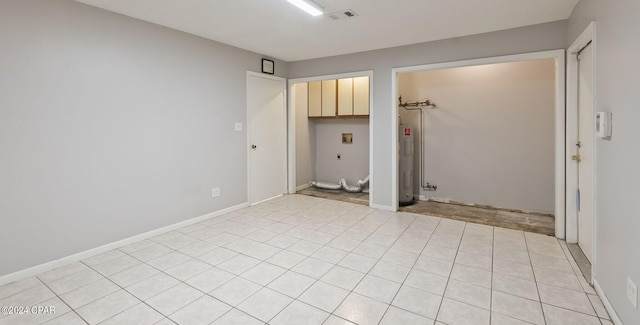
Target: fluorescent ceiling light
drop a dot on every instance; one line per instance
(309, 6)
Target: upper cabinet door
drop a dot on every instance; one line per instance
(315, 98)
(361, 96)
(329, 99)
(345, 96)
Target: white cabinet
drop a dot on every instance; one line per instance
(341, 98)
(361, 96)
(345, 97)
(315, 98)
(329, 97)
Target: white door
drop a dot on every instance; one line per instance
(267, 135)
(585, 150)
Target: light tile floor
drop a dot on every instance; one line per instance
(305, 260)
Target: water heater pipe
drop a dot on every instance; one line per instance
(418, 106)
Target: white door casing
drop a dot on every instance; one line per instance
(584, 157)
(267, 137)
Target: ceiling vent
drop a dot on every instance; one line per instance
(342, 14)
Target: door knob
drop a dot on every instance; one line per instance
(253, 146)
(576, 158)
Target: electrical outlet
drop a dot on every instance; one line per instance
(238, 127)
(215, 192)
(632, 293)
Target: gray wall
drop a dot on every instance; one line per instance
(491, 139)
(354, 158)
(617, 230)
(305, 137)
(110, 127)
(520, 40)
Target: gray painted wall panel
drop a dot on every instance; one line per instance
(111, 127)
(617, 234)
(354, 162)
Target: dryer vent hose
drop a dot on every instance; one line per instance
(363, 183)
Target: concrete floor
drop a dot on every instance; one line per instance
(337, 195)
(511, 219)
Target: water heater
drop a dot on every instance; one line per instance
(406, 165)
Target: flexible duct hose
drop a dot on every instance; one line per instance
(326, 186)
(364, 182)
(342, 185)
(350, 189)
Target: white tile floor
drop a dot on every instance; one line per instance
(304, 260)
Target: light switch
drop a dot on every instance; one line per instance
(238, 127)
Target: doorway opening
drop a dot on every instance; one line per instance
(490, 146)
(330, 147)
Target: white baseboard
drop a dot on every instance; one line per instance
(269, 199)
(302, 187)
(35, 270)
(383, 207)
(607, 305)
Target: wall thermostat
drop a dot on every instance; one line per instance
(603, 124)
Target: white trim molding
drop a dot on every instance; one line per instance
(607, 304)
(35, 270)
(395, 145)
(383, 207)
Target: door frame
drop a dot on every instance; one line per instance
(248, 129)
(560, 155)
(588, 35)
(292, 129)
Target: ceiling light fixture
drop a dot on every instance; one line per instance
(309, 6)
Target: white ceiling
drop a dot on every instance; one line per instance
(277, 29)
